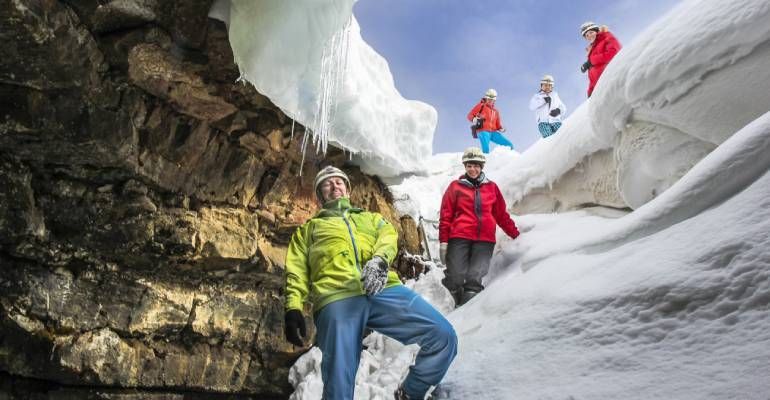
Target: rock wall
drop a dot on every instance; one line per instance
(146, 201)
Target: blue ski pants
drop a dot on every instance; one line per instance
(397, 312)
(547, 129)
(496, 137)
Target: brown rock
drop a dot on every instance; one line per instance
(154, 70)
(122, 14)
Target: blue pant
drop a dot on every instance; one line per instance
(547, 129)
(397, 312)
(486, 136)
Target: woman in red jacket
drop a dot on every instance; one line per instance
(601, 49)
(470, 210)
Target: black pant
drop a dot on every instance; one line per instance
(467, 263)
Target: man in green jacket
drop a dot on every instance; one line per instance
(338, 261)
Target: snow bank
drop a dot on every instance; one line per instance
(669, 301)
(736, 163)
(573, 168)
(308, 57)
(666, 100)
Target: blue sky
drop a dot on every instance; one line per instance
(448, 53)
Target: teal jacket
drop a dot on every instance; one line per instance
(327, 253)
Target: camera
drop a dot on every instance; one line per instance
(479, 123)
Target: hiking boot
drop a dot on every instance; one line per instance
(400, 394)
(468, 295)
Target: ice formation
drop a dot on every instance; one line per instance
(308, 57)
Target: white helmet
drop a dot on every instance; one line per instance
(474, 154)
(587, 26)
(491, 94)
(329, 172)
(547, 79)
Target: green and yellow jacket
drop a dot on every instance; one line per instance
(327, 253)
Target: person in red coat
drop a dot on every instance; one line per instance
(601, 49)
(471, 209)
(491, 129)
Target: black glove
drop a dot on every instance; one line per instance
(555, 112)
(295, 321)
(547, 100)
(586, 65)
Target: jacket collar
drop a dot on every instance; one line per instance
(467, 182)
(337, 208)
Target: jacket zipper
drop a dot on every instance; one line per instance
(477, 210)
(352, 239)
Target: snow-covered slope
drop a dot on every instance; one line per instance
(671, 301)
(308, 57)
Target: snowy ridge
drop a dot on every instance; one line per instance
(735, 164)
(549, 159)
(308, 57)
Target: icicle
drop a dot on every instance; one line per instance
(304, 149)
(334, 62)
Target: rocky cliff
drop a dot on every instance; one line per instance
(146, 201)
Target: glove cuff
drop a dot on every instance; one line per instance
(381, 263)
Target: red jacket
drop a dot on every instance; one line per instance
(459, 218)
(604, 47)
(490, 115)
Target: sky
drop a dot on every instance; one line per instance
(448, 53)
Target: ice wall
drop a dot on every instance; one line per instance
(308, 57)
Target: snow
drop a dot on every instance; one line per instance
(680, 311)
(309, 59)
(652, 281)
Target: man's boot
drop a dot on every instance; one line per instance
(400, 394)
(468, 295)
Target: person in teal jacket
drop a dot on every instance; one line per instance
(339, 261)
